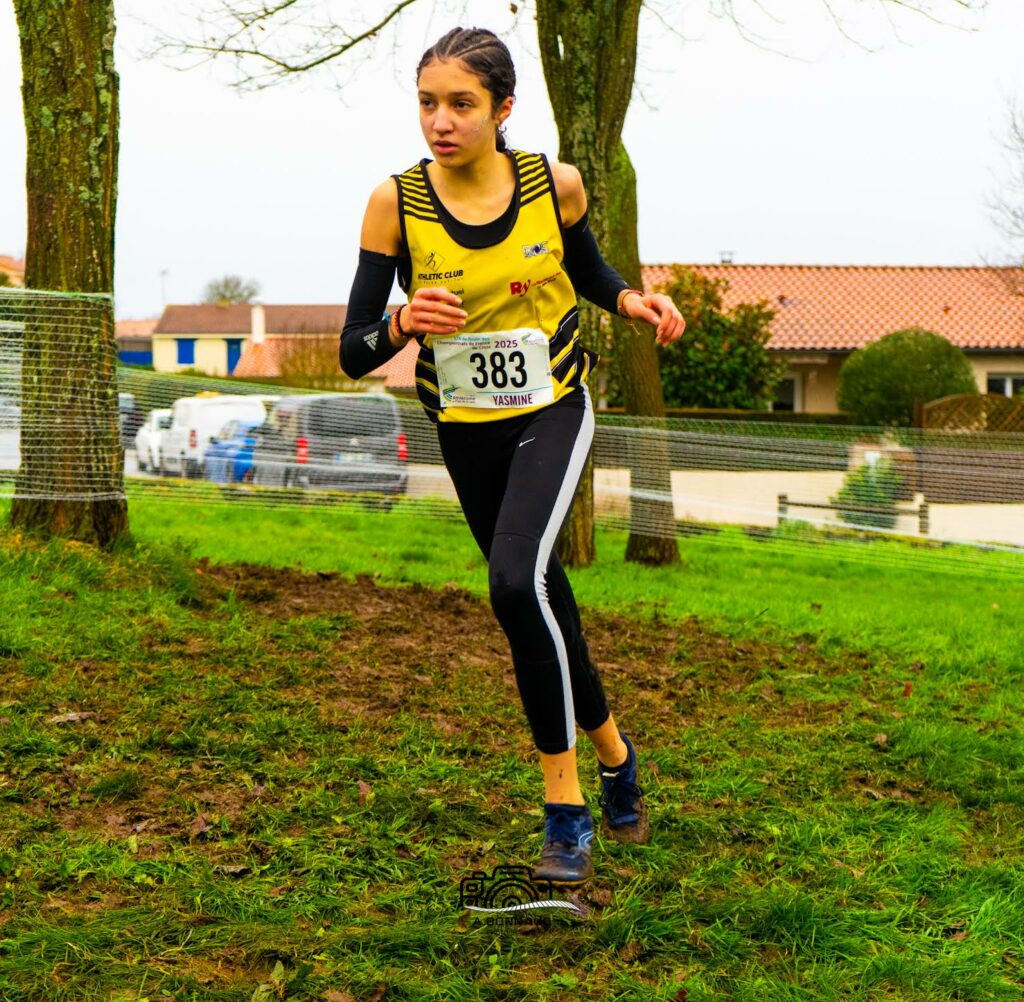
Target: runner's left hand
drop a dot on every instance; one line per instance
(659, 311)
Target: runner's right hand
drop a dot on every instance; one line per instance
(433, 311)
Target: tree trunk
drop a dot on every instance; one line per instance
(588, 50)
(71, 481)
(652, 536)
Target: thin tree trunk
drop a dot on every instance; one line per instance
(652, 537)
(588, 50)
(71, 479)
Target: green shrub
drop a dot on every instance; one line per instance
(871, 484)
(879, 384)
(722, 359)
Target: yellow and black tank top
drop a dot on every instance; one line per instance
(508, 274)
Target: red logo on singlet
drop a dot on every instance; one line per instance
(522, 288)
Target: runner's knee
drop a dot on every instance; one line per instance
(512, 584)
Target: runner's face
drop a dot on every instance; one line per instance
(456, 113)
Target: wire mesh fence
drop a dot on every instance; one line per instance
(212, 441)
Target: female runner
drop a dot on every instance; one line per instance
(491, 247)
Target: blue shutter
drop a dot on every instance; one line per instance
(186, 351)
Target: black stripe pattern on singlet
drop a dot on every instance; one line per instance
(414, 197)
(534, 181)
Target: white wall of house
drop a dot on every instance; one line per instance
(1002, 364)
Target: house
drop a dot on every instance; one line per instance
(825, 312)
(13, 269)
(312, 354)
(135, 341)
(214, 338)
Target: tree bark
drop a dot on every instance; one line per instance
(652, 536)
(588, 50)
(71, 481)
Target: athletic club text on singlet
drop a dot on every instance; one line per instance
(519, 349)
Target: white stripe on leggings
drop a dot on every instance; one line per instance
(573, 471)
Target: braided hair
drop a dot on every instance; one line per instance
(484, 54)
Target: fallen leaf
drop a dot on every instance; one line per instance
(233, 869)
(201, 825)
(332, 996)
(365, 790)
(72, 718)
(880, 740)
(908, 688)
(377, 994)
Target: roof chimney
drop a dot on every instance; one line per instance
(258, 324)
(725, 257)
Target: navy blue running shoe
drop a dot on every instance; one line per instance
(568, 832)
(623, 813)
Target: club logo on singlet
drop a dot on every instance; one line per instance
(522, 288)
(535, 250)
(434, 261)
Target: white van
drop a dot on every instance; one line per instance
(196, 420)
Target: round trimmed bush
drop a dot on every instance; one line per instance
(879, 384)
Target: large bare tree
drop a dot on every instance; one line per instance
(71, 478)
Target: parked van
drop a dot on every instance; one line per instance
(342, 441)
(196, 420)
(149, 439)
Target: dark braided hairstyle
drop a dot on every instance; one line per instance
(484, 54)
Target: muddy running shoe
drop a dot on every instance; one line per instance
(568, 832)
(623, 814)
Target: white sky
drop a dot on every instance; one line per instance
(830, 155)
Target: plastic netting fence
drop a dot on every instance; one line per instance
(220, 441)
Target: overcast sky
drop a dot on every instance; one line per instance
(827, 154)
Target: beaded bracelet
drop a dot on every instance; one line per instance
(395, 324)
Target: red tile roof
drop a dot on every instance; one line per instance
(212, 319)
(267, 358)
(399, 372)
(134, 328)
(844, 307)
(14, 268)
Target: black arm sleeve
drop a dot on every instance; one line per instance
(365, 343)
(591, 276)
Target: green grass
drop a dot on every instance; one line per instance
(837, 801)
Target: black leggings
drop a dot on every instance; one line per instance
(515, 479)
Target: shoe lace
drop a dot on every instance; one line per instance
(561, 826)
(620, 795)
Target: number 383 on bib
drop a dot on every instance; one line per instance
(500, 369)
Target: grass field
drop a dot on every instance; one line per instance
(251, 781)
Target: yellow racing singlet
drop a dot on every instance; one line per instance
(519, 349)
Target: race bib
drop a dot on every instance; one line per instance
(504, 369)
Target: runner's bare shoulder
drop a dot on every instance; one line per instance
(572, 199)
(382, 230)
